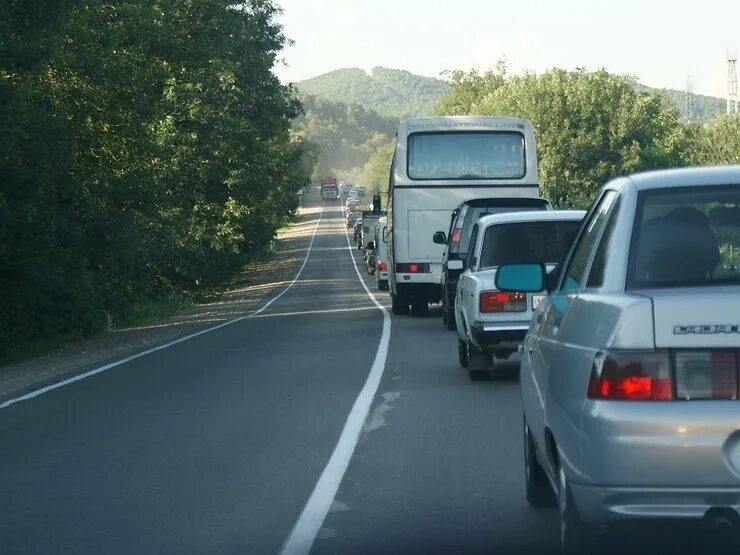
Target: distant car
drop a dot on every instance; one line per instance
(629, 374)
(456, 241)
(352, 216)
(357, 229)
(381, 253)
(491, 323)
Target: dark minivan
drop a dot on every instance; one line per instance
(457, 239)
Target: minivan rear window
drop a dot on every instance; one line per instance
(466, 155)
(686, 236)
(522, 242)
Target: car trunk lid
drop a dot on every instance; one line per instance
(696, 318)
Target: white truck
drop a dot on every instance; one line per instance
(439, 163)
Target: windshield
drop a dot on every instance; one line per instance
(475, 213)
(480, 155)
(527, 242)
(686, 237)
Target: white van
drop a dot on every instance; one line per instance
(381, 253)
(438, 164)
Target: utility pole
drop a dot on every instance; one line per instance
(688, 108)
(732, 100)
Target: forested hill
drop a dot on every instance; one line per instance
(705, 108)
(398, 93)
(345, 135)
(390, 92)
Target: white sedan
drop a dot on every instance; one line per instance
(490, 322)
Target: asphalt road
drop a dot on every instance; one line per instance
(217, 443)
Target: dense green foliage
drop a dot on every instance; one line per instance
(390, 92)
(718, 142)
(375, 174)
(345, 136)
(589, 126)
(145, 149)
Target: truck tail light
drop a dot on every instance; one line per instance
(496, 301)
(382, 266)
(412, 268)
(631, 376)
(455, 241)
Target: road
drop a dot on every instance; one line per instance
(216, 444)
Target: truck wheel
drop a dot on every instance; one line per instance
(399, 305)
(448, 309)
(462, 353)
(419, 308)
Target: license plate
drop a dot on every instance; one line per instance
(536, 300)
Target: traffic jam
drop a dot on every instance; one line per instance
(624, 318)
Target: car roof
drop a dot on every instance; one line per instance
(444, 121)
(682, 177)
(497, 200)
(533, 216)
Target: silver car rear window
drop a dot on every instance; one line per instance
(687, 236)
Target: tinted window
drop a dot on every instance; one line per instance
(527, 242)
(475, 213)
(492, 155)
(686, 237)
(586, 242)
(596, 273)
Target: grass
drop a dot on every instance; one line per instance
(150, 310)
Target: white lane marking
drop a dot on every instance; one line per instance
(307, 527)
(80, 377)
(304, 312)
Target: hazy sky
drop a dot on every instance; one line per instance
(660, 42)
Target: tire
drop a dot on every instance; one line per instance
(573, 533)
(462, 353)
(537, 488)
(477, 370)
(420, 308)
(448, 308)
(399, 305)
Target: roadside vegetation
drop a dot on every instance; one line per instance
(592, 126)
(146, 151)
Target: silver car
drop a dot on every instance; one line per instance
(629, 371)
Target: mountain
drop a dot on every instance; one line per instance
(705, 108)
(400, 94)
(389, 92)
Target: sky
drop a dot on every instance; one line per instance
(660, 42)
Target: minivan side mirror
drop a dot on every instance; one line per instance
(529, 278)
(439, 238)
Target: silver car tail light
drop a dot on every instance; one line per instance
(631, 376)
(710, 374)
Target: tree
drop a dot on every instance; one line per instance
(146, 150)
(718, 142)
(590, 127)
